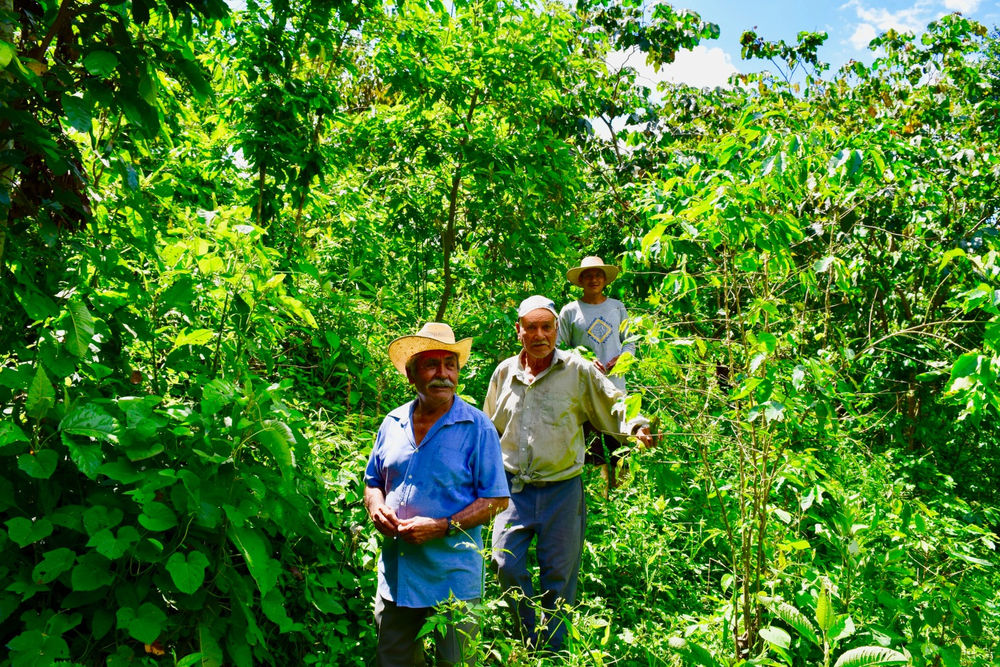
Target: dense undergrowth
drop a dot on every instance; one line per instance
(214, 225)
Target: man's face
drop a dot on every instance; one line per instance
(537, 333)
(593, 281)
(434, 374)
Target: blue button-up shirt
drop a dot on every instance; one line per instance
(457, 462)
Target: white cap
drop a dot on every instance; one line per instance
(534, 303)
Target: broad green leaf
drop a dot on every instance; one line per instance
(37, 305)
(782, 515)
(17, 378)
(210, 650)
(693, 653)
(78, 112)
(11, 433)
(824, 612)
(193, 337)
(88, 457)
(216, 395)
(774, 162)
(951, 656)
(278, 438)
(776, 636)
(144, 624)
(193, 72)
(273, 605)
(797, 620)
(41, 395)
(100, 63)
(139, 415)
(140, 450)
(768, 341)
(122, 471)
(39, 465)
(37, 648)
(327, 602)
(113, 546)
(91, 421)
(774, 411)
(949, 255)
(187, 572)
(157, 517)
(297, 308)
(967, 364)
(842, 628)
(149, 85)
(98, 517)
(823, 265)
(91, 573)
(870, 655)
(7, 52)
(79, 328)
(23, 531)
(53, 564)
(253, 546)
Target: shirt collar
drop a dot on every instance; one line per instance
(558, 357)
(460, 411)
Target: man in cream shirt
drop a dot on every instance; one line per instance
(539, 400)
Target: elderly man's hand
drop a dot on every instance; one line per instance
(420, 529)
(385, 520)
(644, 436)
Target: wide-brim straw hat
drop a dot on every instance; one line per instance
(432, 336)
(592, 262)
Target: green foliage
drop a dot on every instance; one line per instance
(212, 224)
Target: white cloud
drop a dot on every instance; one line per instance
(873, 20)
(909, 19)
(863, 35)
(701, 67)
(964, 6)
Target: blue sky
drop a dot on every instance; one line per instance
(851, 24)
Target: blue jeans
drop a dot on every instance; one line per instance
(556, 515)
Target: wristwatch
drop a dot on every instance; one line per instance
(453, 527)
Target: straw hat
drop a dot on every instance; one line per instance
(610, 272)
(432, 336)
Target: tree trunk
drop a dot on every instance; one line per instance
(6, 170)
(448, 236)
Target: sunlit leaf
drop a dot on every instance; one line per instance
(870, 655)
(79, 328)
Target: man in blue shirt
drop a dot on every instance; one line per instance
(435, 475)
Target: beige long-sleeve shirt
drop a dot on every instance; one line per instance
(540, 419)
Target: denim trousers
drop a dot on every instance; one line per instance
(553, 515)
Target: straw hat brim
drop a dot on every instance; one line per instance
(401, 349)
(610, 272)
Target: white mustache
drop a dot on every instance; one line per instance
(441, 383)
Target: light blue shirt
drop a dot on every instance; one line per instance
(458, 461)
(602, 327)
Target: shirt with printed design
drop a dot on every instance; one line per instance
(598, 327)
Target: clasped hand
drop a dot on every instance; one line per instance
(417, 530)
